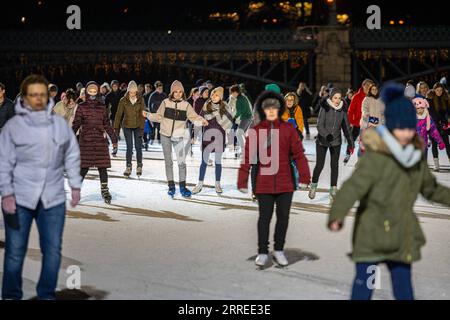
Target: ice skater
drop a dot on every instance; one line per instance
(173, 114)
(220, 118)
(92, 121)
(274, 146)
(331, 122)
(129, 117)
(386, 182)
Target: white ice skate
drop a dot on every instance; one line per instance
(261, 260)
(198, 188)
(219, 189)
(280, 258)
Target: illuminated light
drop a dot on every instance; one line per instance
(330, 1)
(342, 18)
(125, 10)
(255, 6)
(401, 22)
(39, 3)
(232, 16)
(307, 8)
(392, 22)
(265, 21)
(23, 19)
(169, 31)
(274, 20)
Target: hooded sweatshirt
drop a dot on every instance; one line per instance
(36, 148)
(173, 114)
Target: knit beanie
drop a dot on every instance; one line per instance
(202, 89)
(400, 112)
(132, 85)
(219, 91)
(273, 87)
(176, 86)
(334, 91)
(90, 84)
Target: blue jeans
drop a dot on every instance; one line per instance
(400, 277)
(50, 224)
(204, 164)
(135, 134)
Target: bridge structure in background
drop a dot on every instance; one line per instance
(284, 57)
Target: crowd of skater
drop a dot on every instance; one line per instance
(47, 137)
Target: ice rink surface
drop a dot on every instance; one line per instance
(148, 246)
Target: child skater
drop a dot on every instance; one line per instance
(386, 182)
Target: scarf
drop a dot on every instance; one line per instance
(407, 156)
(331, 104)
(225, 120)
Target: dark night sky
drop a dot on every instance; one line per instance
(193, 14)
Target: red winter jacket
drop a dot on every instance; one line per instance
(355, 109)
(289, 146)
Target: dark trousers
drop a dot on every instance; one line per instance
(266, 203)
(321, 153)
(400, 277)
(434, 145)
(50, 225)
(155, 135)
(103, 173)
(306, 122)
(355, 134)
(135, 134)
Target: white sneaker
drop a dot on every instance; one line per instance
(261, 260)
(280, 258)
(198, 188)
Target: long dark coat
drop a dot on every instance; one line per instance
(91, 117)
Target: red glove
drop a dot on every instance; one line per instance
(351, 150)
(441, 146)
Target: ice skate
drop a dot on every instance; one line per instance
(280, 258)
(333, 191)
(139, 171)
(198, 188)
(106, 195)
(261, 260)
(219, 189)
(171, 192)
(185, 192)
(127, 172)
(312, 191)
(436, 165)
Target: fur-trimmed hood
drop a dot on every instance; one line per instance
(268, 95)
(373, 141)
(380, 140)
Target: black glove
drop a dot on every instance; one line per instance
(330, 138)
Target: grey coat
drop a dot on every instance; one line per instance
(36, 147)
(330, 123)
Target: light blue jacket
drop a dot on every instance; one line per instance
(36, 147)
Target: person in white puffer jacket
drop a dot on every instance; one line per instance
(36, 148)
